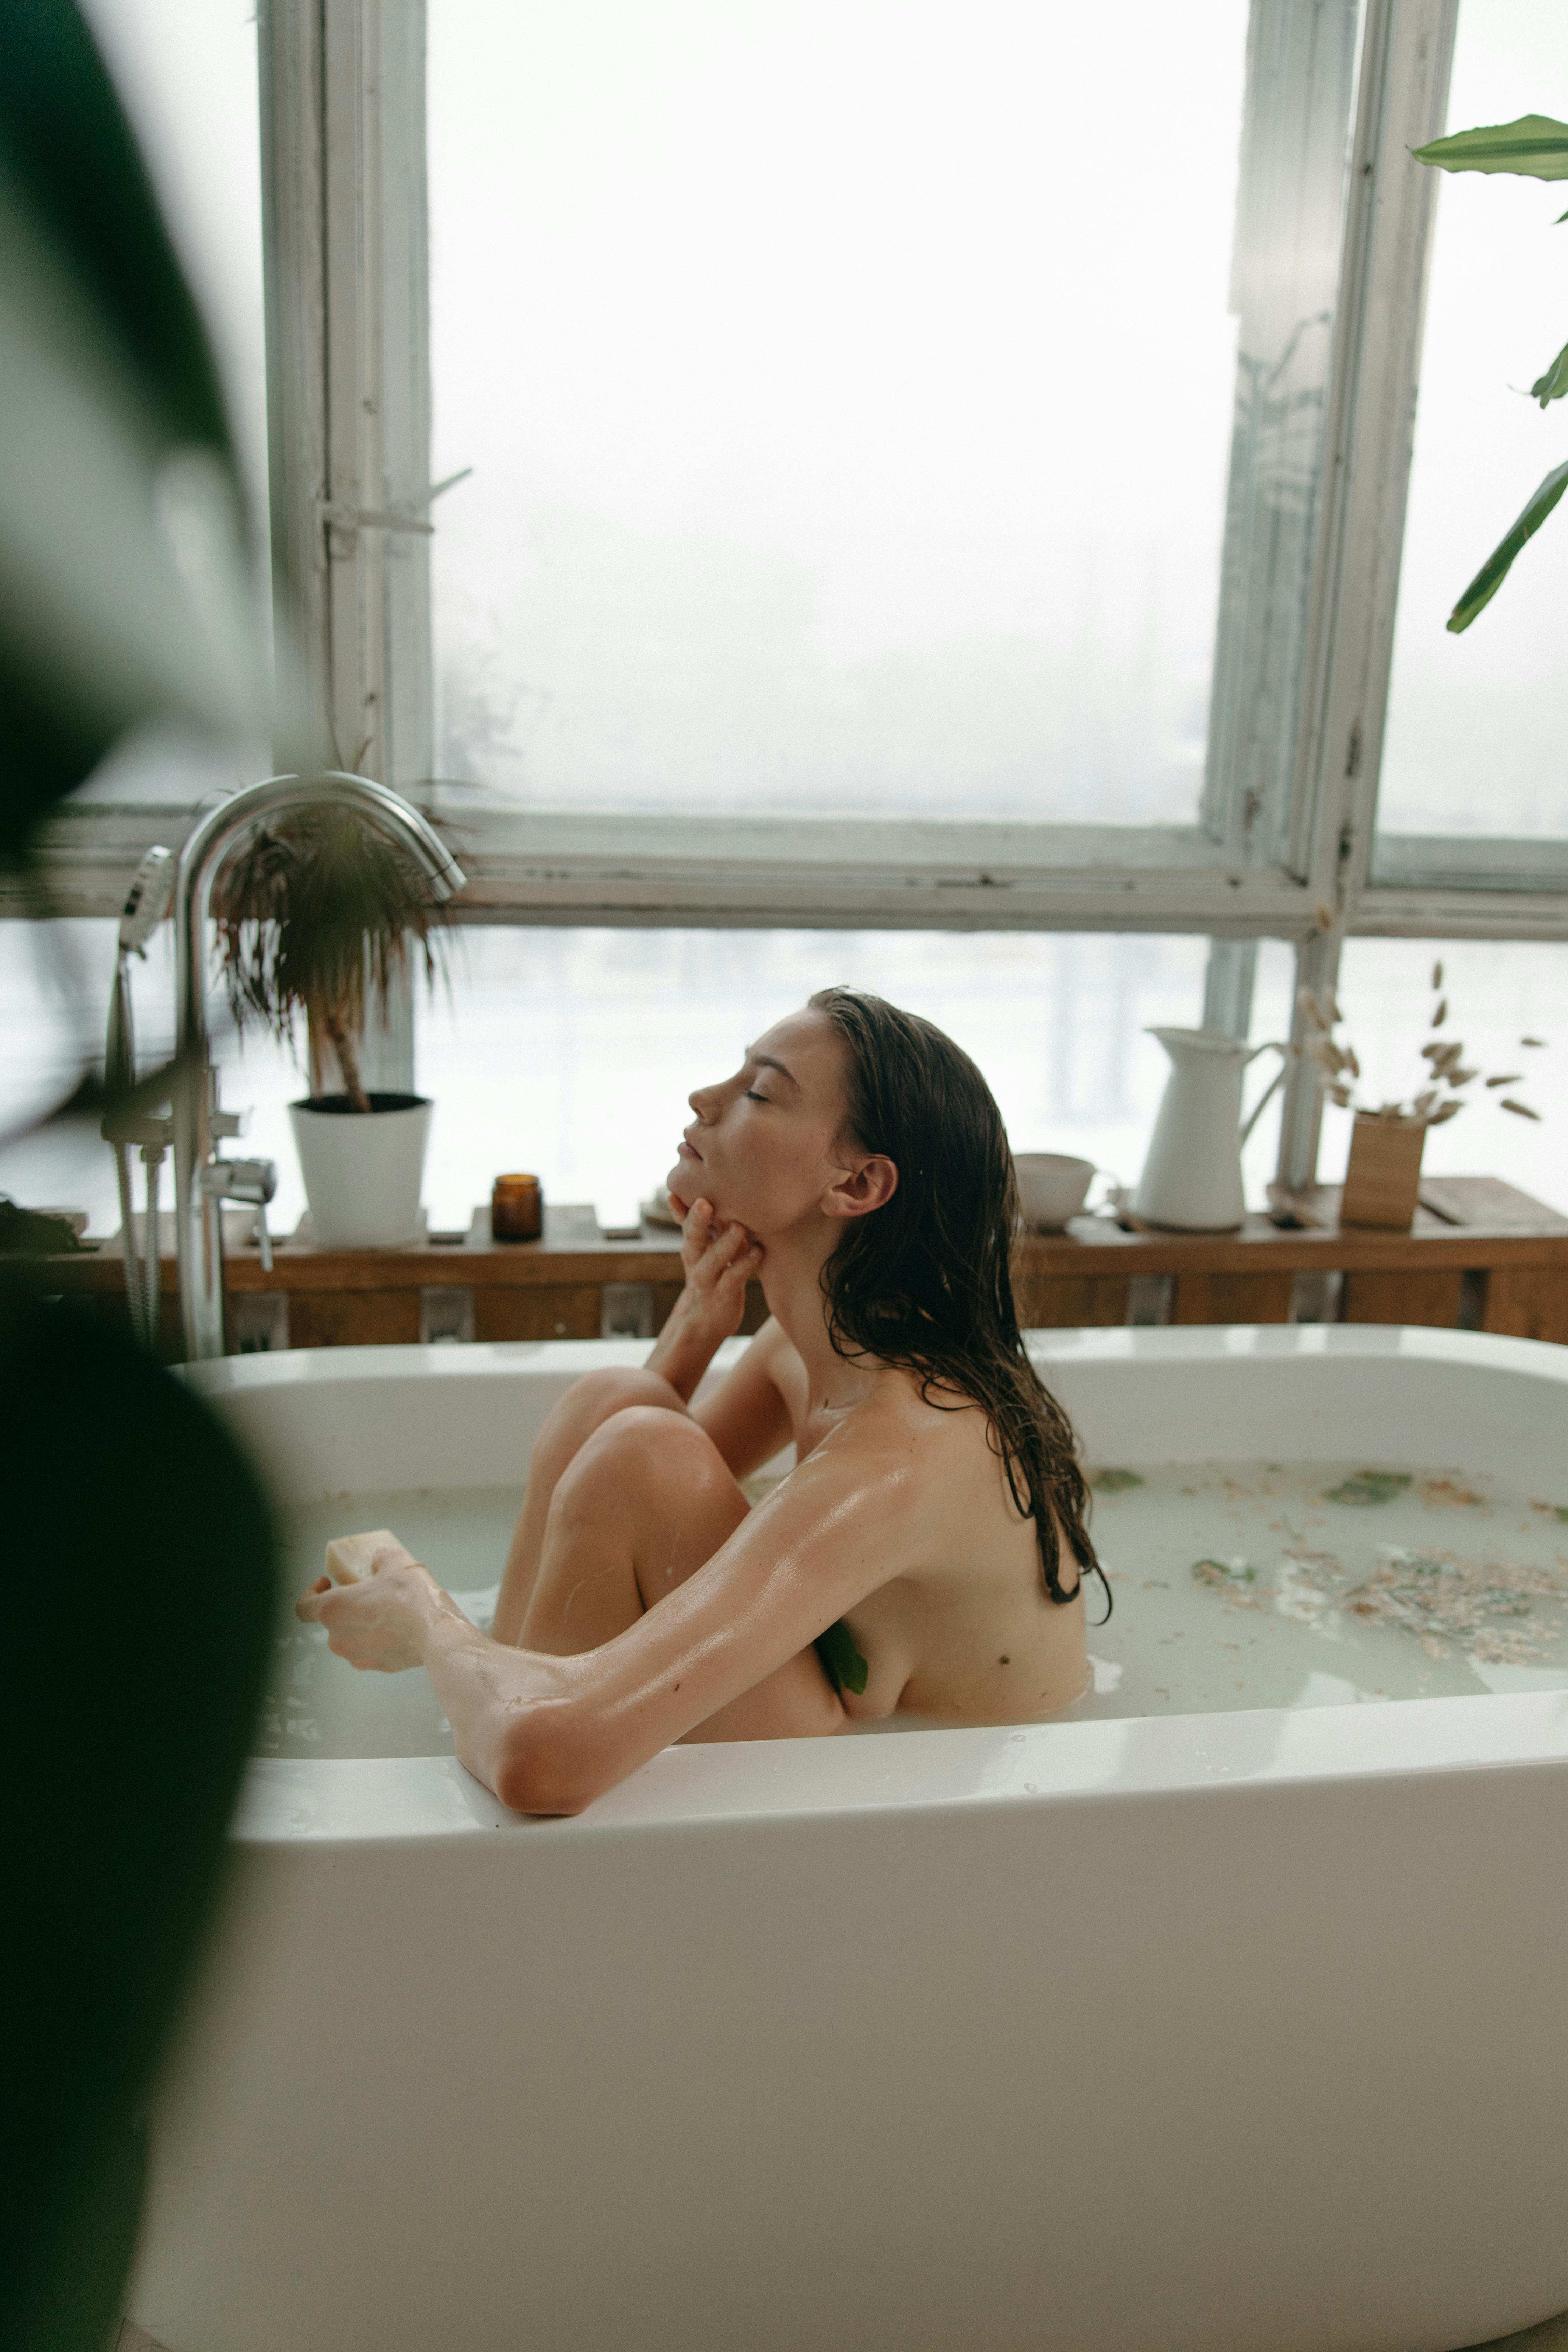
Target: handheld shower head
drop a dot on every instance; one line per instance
(147, 900)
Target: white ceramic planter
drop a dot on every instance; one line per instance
(363, 1173)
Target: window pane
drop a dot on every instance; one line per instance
(1497, 993)
(1475, 741)
(573, 1052)
(55, 980)
(851, 388)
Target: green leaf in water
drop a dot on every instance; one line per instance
(1114, 1482)
(846, 1668)
(1223, 1571)
(1370, 1486)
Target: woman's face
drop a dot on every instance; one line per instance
(768, 1144)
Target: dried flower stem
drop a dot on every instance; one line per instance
(1335, 1059)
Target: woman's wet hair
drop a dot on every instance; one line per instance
(925, 1281)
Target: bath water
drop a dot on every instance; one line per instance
(1240, 1584)
(316, 1705)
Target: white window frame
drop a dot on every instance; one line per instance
(344, 163)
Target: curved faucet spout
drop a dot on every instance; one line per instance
(198, 1209)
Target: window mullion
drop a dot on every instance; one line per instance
(1228, 980)
(1300, 71)
(349, 404)
(1407, 53)
(1301, 1116)
(293, 151)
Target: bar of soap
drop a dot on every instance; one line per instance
(348, 1557)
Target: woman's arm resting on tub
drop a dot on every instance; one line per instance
(548, 1735)
(551, 1734)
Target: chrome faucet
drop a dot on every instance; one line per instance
(202, 1180)
(124, 1124)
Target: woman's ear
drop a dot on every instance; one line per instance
(867, 1186)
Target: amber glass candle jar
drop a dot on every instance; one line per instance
(517, 1208)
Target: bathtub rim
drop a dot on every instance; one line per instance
(411, 1800)
(226, 1376)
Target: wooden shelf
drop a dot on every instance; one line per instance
(1480, 1252)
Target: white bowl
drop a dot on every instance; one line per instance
(1052, 1187)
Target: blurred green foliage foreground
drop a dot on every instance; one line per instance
(139, 1604)
(140, 1563)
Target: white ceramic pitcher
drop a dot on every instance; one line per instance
(1192, 1177)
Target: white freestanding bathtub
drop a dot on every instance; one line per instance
(1239, 2031)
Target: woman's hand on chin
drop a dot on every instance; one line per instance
(718, 1260)
(378, 1623)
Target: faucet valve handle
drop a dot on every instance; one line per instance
(251, 1180)
(241, 1180)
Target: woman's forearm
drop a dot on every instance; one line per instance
(502, 1704)
(718, 1260)
(691, 1337)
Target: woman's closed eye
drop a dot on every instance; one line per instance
(752, 1095)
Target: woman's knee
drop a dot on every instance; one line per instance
(590, 1401)
(620, 1389)
(641, 1455)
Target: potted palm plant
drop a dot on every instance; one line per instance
(316, 916)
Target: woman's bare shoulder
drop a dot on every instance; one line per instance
(938, 1414)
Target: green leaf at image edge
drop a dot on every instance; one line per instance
(113, 1864)
(1554, 383)
(1495, 570)
(1535, 147)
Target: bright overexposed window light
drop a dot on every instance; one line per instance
(848, 386)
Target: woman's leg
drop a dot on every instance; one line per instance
(645, 1501)
(587, 1404)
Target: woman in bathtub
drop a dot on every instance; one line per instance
(927, 1552)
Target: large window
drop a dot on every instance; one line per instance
(860, 400)
(849, 430)
(938, 474)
